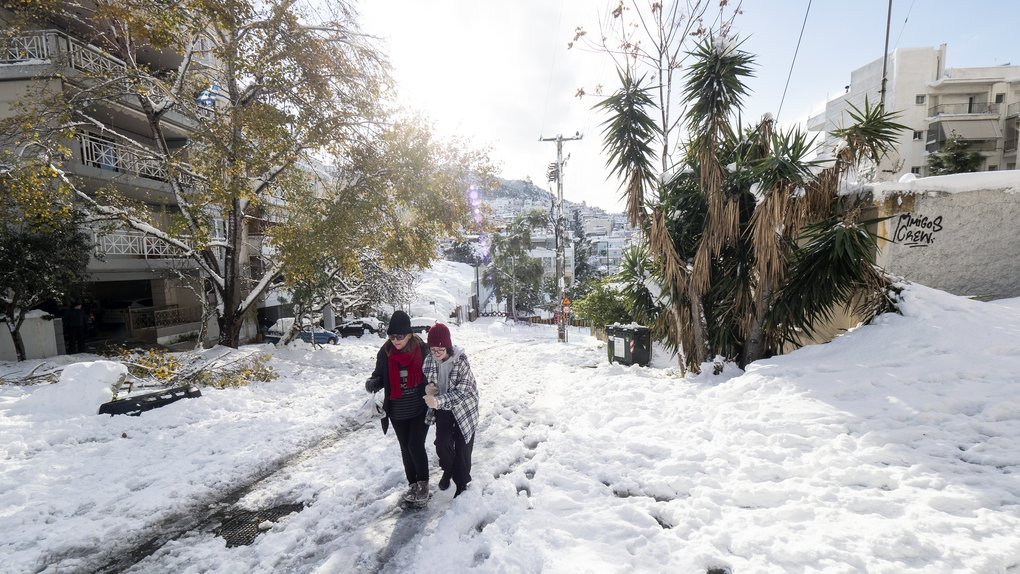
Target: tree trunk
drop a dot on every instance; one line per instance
(233, 319)
(19, 343)
(698, 335)
(754, 342)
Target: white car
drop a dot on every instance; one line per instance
(422, 324)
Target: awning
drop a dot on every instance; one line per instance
(972, 129)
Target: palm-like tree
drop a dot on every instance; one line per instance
(753, 243)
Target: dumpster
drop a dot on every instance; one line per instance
(629, 344)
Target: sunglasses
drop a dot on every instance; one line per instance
(399, 337)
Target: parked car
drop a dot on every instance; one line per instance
(308, 333)
(359, 327)
(422, 325)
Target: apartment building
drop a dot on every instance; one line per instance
(543, 248)
(607, 251)
(980, 105)
(140, 288)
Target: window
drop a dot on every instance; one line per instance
(1011, 165)
(1000, 98)
(918, 135)
(916, 170)
(993, 168)
(920, 98)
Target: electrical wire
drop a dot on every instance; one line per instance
(900, 35)
(795, 52)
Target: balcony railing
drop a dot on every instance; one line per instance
(27, 48)
(103, 153)
(1009, 144)
(1013, 109)
(43, 44)
(159, 317)
(135, 244)
(963, 108)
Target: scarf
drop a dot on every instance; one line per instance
(409, 362)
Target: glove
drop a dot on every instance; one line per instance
(373, 384)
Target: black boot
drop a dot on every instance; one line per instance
(444, 482)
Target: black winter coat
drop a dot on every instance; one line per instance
(380, 378)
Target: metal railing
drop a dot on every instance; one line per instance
(103, 153)
(135, 244)
(963, 108)
(1010, 144)
(159, 317)
(1013, 109)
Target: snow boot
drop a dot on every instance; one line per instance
(422, 494)
(444, 482)
(412, 492)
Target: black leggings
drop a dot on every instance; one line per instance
(411, 435)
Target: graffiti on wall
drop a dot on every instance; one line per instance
(916, 231)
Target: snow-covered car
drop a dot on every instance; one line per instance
(359, 327)
(422, 324)
(308, 333)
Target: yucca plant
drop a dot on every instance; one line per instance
(750, 239)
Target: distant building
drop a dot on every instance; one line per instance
(607, 252)
(597, 226)
(980, 105)
(548, 258)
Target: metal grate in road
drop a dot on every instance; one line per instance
(241, 527)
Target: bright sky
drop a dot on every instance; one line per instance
(500, 72)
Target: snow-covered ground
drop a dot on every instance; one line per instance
(892, 449)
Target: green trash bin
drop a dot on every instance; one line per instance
(629, 344)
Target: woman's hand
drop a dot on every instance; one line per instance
(431, 401)
(431, 389)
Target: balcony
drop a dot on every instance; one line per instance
(45, 45)
(963, 109)
(134, 244)
(105, 154)
(1013, 109)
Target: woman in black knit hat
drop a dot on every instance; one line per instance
(398, 372)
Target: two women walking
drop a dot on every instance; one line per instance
(426, 383)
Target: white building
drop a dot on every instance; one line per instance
(607, 252)
(980, 105)
(597, 226)
(548, 258)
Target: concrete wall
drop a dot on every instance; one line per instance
(957, 238)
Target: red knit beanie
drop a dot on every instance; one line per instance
(439, 336)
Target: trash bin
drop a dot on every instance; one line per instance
(629, 344)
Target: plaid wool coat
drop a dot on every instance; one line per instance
(461, 396)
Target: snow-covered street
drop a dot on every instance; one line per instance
(891, 449)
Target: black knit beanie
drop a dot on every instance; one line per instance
(400, 324)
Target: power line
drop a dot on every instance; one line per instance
(900, 35)
(795, 52)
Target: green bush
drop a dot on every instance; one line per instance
(604, 305)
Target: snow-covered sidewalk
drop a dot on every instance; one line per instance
(892, 449)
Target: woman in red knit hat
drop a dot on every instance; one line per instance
(452, 397)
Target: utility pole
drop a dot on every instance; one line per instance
(885, 54)
(561, 324)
